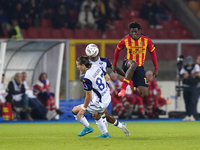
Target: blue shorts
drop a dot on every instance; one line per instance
(139, 77)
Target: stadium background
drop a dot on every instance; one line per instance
(168, 50)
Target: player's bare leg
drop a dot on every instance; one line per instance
(131, 65)
(144, 91)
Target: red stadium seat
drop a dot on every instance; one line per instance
(80, 50)
(46, 23)
(33, 33)
(118, 24)
(110, 49)
(137, 4)
(124, 13)
(151, 33)
(113, 34)
(162, 34)
(56, 34)
(67, 33)
(91, 34)
(6, 33)
(133, 14)
(79, 34)
(44, 33)
(24, 33)
(174, 34)
(144, 24)
(166, 24)
(176, 24)
(124, 33)
(185, 34)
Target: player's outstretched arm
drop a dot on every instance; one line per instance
(153, 57)
(116, 57)
(154, 60)
(120, 71)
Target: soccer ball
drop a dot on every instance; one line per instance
(91, 50)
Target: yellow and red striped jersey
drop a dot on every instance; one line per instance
(136, 49)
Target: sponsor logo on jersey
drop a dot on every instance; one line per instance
(85, 86)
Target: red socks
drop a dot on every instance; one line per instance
(125, 83)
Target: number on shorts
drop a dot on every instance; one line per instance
(145, 80)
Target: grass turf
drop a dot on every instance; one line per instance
(63, 136)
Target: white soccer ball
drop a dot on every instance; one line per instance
(92, 50)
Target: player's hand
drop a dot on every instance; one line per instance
(155, 73)
(114, 69)
(186, 75)
(80, 113)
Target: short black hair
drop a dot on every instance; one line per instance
(134, 24)
(3, 75)
(84, 60)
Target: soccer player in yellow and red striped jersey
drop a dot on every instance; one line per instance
(136, 45)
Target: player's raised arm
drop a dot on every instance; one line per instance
(153, 57)
(119, 47)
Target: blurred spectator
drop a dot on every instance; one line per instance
(2, 91)
(4, 24)
(20, 15)
(29, 92)
(41, 89)
(124, 106)
(33, 12)
(148, 14)
(39, 111)
(117, 105)
(190, 75)
(154, 99)
(132, 98)
(62, 18)
(44, 8)
(86, 19)
(100, 18)
(198, 86)
(101, 5)
(2, 82)
(112, 10)
(15, 32)
(89, 3)
(125, 3)
(161, 11)
(5, 102)
(17, 90)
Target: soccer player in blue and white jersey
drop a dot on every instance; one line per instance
(95, 102)
(102, 62)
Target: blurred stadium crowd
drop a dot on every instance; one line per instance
(58, 19)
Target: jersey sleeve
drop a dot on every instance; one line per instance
(196, 68)
(121, 44)
(183, 71)
(150, 45)
(104, 72)
(108, 63)
(87, 84)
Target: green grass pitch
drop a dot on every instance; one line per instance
(63, 136)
